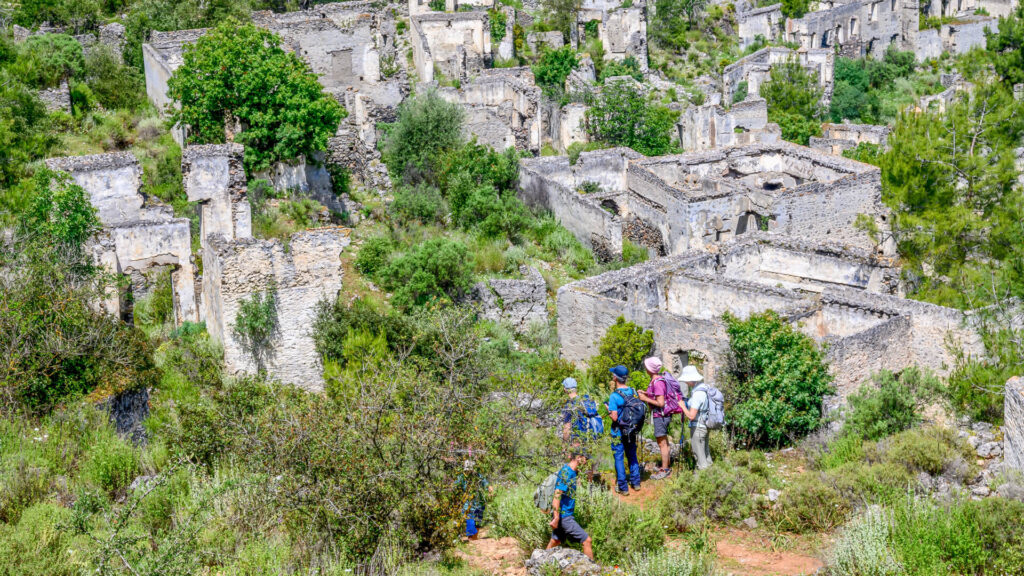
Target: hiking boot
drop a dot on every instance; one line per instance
(622, 492)
(635, 487)
(661, 474)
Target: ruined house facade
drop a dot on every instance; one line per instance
(838, 138)
(844, 298)
(710, 126)
(503, 108)
(621, 29)
(693, 201)
(458, 45)
(755, 69)
(857, 28)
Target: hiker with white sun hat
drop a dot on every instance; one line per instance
(705, 412)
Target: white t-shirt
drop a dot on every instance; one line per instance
(697, 400)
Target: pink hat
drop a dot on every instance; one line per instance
(653, 364)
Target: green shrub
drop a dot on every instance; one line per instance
(438, 268)
(793, 96)
(23, 482)
(512, 513)
(929, 538)
(627, 67)
(862, 548)
(46, 59)
(336, 320)
(843, 449)
(420, 204)
(976, 384)
(932, 449)
(38, 545)
(498, 24)
(428, 127)
(891, 405)
(741, 92)
(257, 326)
(624, 116)
(111, 463)
(723, 493)
(114, 85)
(623, 343)
(810, 503)
(554, 67)
(157, 307)
(617, 528)
(779, 380)
(671, 562)
(633, 253)
(374, 255)
(493, 214)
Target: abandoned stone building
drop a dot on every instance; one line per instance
(756, 68)
(766, 22)
(673, 204)
(140, 235)
(710, 126)
(960, 8)
(621, 28)
(857, 28)
(845, 298)
(838, 138)
(458, 45)
(503, 108)
(956, 37)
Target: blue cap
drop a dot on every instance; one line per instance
(620, 372)
(569, 383)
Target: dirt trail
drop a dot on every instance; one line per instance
(745, 553)
(498, 557)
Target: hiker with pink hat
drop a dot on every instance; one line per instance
(664, 395)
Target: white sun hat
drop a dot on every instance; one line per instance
(690, 374)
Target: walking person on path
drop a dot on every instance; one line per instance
(564, 527)
(625, 430)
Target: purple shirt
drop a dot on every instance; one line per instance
(657, 388)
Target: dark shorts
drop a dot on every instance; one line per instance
(569, 530)
(661, 425)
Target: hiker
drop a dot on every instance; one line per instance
(625, 408)
(473, 482)
(696, 409)
(564, 527)
(580, 418)
(664, 396)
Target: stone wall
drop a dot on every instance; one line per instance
(755, 69)
(622, 30)
(459, 44)
(520, 303)
(503, 108)
(766, 22)
(960, 8)
(140, 233)
(957, 37)
(1013, 423)
(161, 56)
(57, 99)
(857, 28)
(308, 272)
(711, 126)
(214, 176)
(837, 138)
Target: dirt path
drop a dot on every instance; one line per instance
(746, 553)
(498, 557)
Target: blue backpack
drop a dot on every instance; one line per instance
(588, 420)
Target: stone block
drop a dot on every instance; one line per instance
(1013, 423)
(567, 561)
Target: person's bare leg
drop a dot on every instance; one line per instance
(588, 548)
(666, 453)
(552, 543)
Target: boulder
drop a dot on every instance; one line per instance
(1013, 426)
(1011, 491)
(569, 561)
(990, 450)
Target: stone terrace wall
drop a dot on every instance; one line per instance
(518, 302)
(310, 271)
(1013, 426)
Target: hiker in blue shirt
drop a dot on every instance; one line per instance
(623, 447)
(563, 523)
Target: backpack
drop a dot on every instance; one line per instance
(631, 414)
(673, 395)
(714, 416)
(545, 493)
(588, 420)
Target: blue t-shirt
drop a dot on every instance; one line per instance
(567, 484)
(615, 402)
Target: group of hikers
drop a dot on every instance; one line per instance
(627, 408)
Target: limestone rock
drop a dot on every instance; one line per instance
(1013, 428)
(518, 302)
(1011, 491)
(750, 523)
(569, 561)
(990, 450)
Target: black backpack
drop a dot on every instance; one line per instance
(631, 414)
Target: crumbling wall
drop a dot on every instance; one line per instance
(214, 176)
(503, 108)
(458, 44)
(711, 126)
(57, 99)
(1013, 423)
(140, 234)
(520, 303)
(161, 56)
(837, 138)
(858, 28)
(308, 272)
(755, 69)
(766, 22)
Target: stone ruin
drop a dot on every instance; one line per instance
(766, 22)
(621, 29)
(458, 45)
(503, 108)
(710, 126)
(1013, 429)
(838, 138)
(140, 234)
(857, 28)
(756, 68)
(57, 99)
(110, 35)
(520, 303)
(960, 8)
(956, 37)
(673, 204)
(844, 298)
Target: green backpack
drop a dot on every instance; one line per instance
(545, 493)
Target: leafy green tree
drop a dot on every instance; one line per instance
(561, 14)
(793, 97)
(114, 85)
(624, 343)
(623, 116)
(779, 378)
(795, 8)
(25, 136)
(44, 60)
(554, 67)
(240, 73)
(428, 127)
(437, 269)
(669, 29)
(890, 403)
(1007, 47)
(80, 15)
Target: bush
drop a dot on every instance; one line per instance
(257, 326)
(742, 90)
(420, 204)
(623, 116)
(113, 84)
(723, 493)
(779, 378)
(37, 544)
(494, 214)
(554, 67)
(793, 97)
(976, 385)
(374, 255)
(46, 59)
(428, 127)
(862, 548)
(617, 528)
(627, 67)
(811, 503)
(933, 450)
(436, 269)
(624, 343)
(671, 562)
(111, 463)
(336, 320)
(892, 405)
